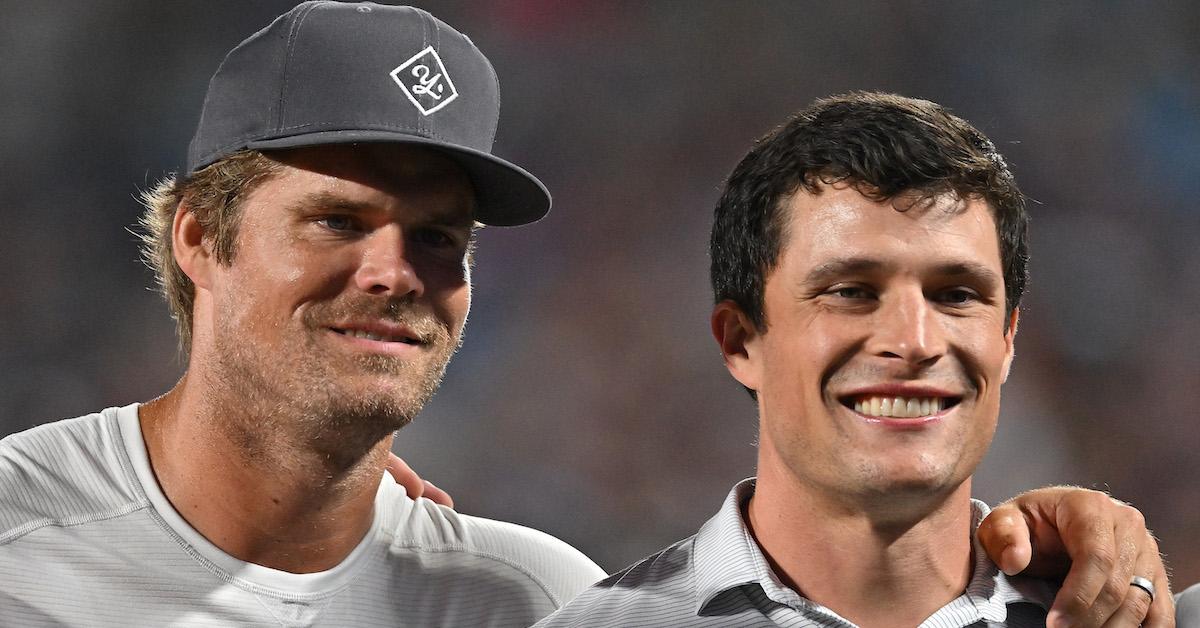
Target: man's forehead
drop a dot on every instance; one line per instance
(837, 219)
(374, 161)
(844, 204)
(330, 179)
(352, 171)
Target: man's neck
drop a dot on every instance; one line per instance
(273, 502)
(872, 569)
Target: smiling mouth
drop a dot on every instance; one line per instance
(899, 407)
(366, 335)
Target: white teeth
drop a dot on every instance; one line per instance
(363, 334)
(899, 407)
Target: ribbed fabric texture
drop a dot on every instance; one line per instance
(719, 578)
(88, 539)
(1187, 607)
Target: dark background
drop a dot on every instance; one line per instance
(589, 400)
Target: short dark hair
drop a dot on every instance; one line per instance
(883, 144)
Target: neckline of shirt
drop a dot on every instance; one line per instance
(727, 557)
(250, 576)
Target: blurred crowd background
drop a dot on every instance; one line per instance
(589, 399)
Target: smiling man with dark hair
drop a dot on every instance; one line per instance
(868, 260)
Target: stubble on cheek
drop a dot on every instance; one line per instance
(279, 379)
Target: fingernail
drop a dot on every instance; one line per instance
(1008, 560)
(1056, 619)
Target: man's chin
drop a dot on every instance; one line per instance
(909, 495)
(366, 400)
(385, 405)
(350, 426)
(910, 487)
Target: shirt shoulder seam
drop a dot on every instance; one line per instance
(504, 560)
(22, 530)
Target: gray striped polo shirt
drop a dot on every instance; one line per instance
(87, 538)
(719, 578)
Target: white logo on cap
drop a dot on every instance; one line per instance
(425, 81)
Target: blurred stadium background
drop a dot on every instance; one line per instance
(589, 400)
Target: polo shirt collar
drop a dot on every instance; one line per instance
(727, 558)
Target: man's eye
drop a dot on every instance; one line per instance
(957, 296)
(851, 292)
(339, 223)
(433, 237)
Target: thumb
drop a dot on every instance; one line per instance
(1004, 534)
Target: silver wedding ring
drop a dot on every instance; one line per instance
(1143, 584)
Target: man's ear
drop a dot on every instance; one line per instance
(738, 339)
(1010, 336)
(192, 251)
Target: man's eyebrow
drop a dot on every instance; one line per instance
(836, 268)
(315, 201)
(974, 270)
(328, 201)
(841, 267)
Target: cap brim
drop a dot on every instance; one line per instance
(506, 194)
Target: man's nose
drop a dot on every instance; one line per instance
(386, 267)
(906, 327)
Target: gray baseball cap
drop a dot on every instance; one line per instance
(339, 73)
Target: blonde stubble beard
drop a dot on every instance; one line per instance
(282, 412)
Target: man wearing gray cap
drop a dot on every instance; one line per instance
(316, 259)
(315, 253)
